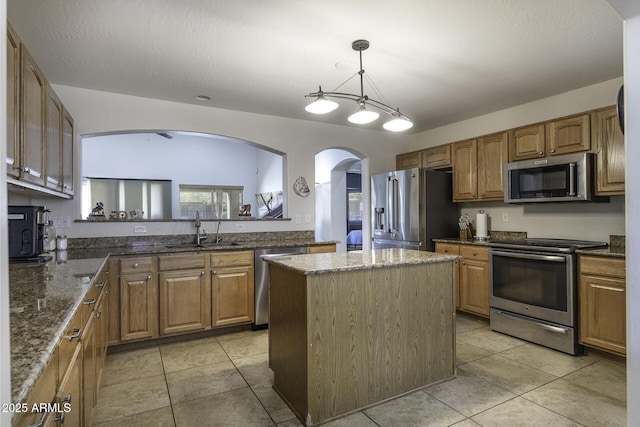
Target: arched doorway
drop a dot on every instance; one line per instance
(342, 198)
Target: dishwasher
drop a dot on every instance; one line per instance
(261, 290)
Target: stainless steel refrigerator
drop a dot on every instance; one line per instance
(411, 207)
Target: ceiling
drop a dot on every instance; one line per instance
(439, 61)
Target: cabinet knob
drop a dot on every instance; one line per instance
(446, 251)
(202, 273)
(149, 277)
(136, 265)
(214, 272)
(475, 253)
(553, 150)
(540, 153)
(473, 195)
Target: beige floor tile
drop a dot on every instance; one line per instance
(131, 397)
(606, 377)
(468, 352)
(469, 394)
(489, 340)
(521, 412)
(465, 423)
(272, 402)
(547, 360)
(291, 423)
(242, 334)
(132, 365)
(194, 383)
(162, 417)
(580, 404)
(250, 345)
(237, 407)
(508, 374)
(255, 369)
(191, 354)
(415, 409)
(466, 323)
(358, 419)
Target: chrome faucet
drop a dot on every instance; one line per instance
(200, 236)
(218, 238)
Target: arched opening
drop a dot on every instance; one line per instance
(165, 175)
(342, 194)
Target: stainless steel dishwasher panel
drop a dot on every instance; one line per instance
(261, 290)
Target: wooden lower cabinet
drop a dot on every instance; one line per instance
(138, 299)
(44, 391)
(184, 301)
(89, 380)
(472, 281)
(69, 395)
(232, 288)
(602, 303)
(452, 249)
(320, 249)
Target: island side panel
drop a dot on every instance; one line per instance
(288, 336)
(378, 333)
(337, 316)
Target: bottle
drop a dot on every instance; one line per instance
(51, 237)
(61, 243)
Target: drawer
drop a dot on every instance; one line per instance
(136, 265)
(602, 266)
(480, 253)
(68, 343)
(232, 258)
(181, 262)
(448, 248)
(43, 391)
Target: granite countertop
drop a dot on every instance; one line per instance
(44, 296)
(611, 251)
(358, 260)
(42, 299)
(457, 241)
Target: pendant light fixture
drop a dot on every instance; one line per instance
(362, 115)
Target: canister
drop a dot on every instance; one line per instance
(61, 243)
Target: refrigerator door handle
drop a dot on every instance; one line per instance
(392, 201)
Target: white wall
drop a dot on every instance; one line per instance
(101, 112)
(269, 172)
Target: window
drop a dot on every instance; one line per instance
(212, 202)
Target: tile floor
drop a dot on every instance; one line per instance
(225, 381)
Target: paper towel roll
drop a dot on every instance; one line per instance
(481, 226)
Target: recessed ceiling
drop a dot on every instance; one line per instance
(439, 61)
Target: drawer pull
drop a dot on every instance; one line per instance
(98, 314)
(67, 399)
(41, 422)
(76, 334)
(135, 265)
(90, 301)
(60, 418)
(100, 285)
(607, 288)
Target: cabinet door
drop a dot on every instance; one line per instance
(603, 313)
(70, 392)
(13, 103)
(53, 134)
(465, 171)
(451, 249)
(32, 120)
(67, 153)
(232, 295)
(569, 135)
(609, 145)
(89, 380)
(527, 143)
(102, 332)
(437, 157)
(474, 286)
(184, 301)
(409, 160)
(138, 306)
(492, 156)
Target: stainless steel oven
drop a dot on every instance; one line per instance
(533, 290)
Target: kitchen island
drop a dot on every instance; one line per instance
(348, 330)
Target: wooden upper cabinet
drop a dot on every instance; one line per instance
(13, 103)
(34, 87)
(527, 142)
(54, 141)
(569, 135)
(465, 170)
(409, 160)
(610, 152)
(492, 156)
(67, 153)
(437, 157)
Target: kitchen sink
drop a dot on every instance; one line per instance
(219, 245)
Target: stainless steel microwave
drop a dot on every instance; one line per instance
(566, 178)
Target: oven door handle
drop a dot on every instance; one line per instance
(551, 328)
(524, 255)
